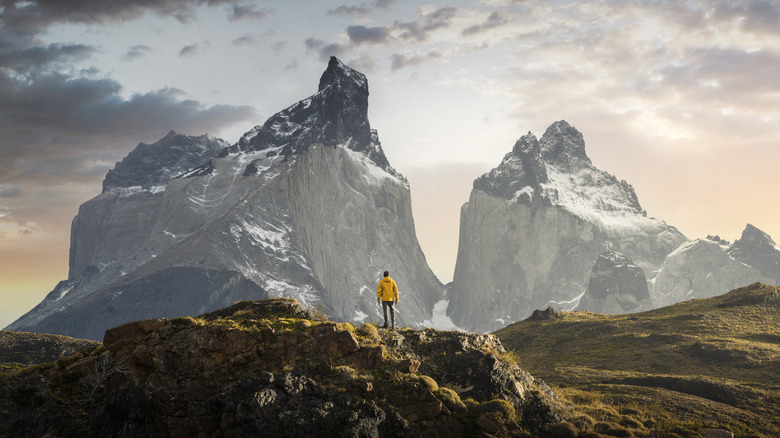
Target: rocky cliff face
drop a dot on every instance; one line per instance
(303, 206)
(616, 285)
(273, 368)
(535, 225)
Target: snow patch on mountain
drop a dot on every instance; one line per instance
(594, 196)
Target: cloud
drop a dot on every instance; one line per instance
(245, 40)
(9, 191)
(363, 9)
(364, 63)
(323, 49)
(419, 30)
(34, 14)
(194, 49)
(136, 52)
(398, 61)
(495, 19)
(246, 12)
(372, 35)
(754, 17)
(24, 55)
(279, 46)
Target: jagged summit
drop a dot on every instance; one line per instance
(339, 75)
(556, 171)
(757, 249)
(564, 146)
(151, 166)
(337, 115)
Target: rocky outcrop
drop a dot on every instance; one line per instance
(535, 225)
(274, 368)
(616, 285)
(304, 206)
(36, 348)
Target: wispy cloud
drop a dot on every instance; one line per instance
(323, 49)
(136, 52)
(368, 35)
(399, 61)
(495, 19)
(194, 49)
(362, 9)
(247, 12)
(420, 29)
(245, 40)
(34, 14)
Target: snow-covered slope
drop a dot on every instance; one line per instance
(304, 206)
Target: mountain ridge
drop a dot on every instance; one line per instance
(534, 226)
(304, 206)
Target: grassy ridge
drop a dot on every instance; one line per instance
(702, 363)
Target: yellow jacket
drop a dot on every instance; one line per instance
(387, 290)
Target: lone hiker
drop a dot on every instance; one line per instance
(386, 292)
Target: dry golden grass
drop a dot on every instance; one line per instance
(702, 363)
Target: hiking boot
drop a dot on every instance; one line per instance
(384, 326)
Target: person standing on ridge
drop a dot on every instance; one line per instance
(387, 295)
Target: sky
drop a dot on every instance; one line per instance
(679, 98)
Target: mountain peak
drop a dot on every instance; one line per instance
(338, 73)
(563, 145)
(526, 145)
(337, 115)
(757, 249)
(753, 234)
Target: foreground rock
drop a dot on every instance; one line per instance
(272, 368)
(35, 348)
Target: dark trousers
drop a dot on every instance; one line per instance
(385, 306)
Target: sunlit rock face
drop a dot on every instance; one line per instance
(534, 226)
(304, 206)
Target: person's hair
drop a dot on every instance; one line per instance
(387, 274)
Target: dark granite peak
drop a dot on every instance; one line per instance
(564, 146)
(337, 115)
(338, 74)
